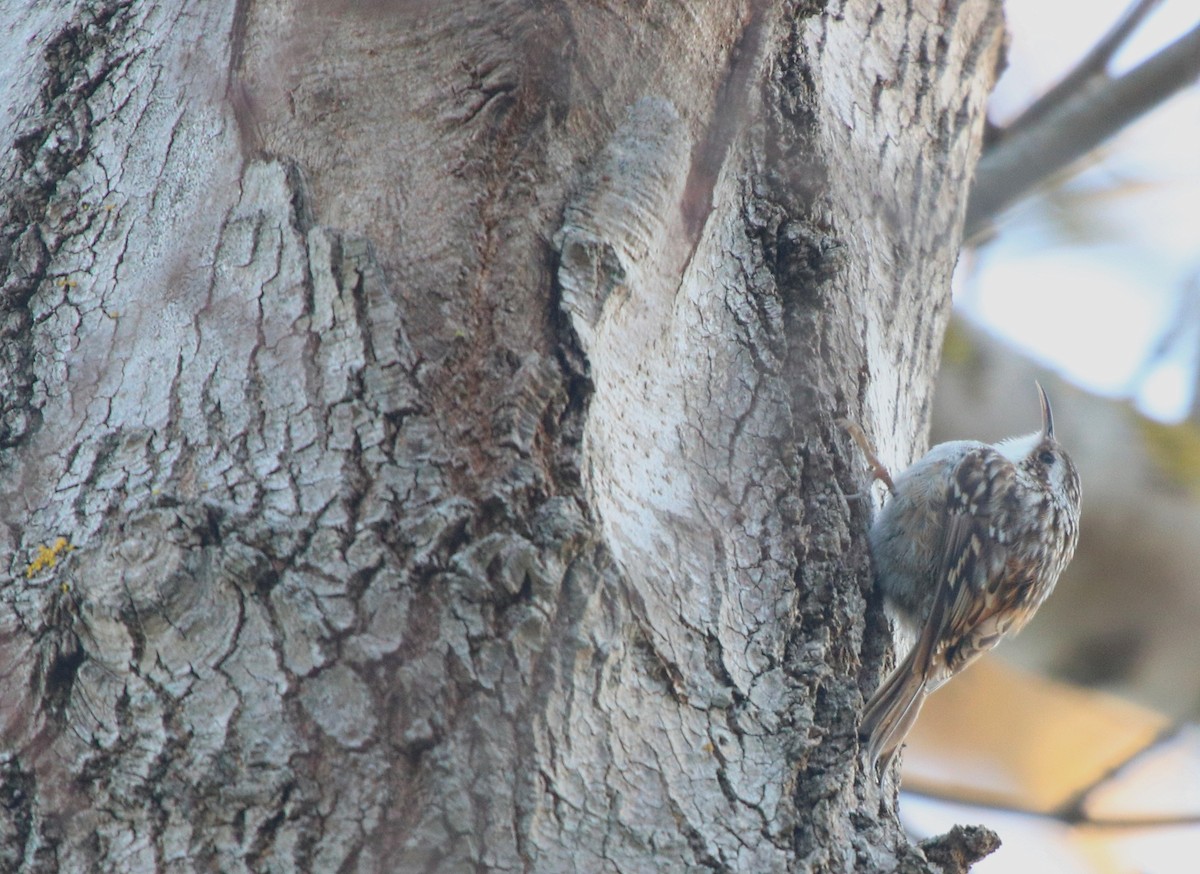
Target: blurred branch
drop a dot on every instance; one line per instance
(1094, 64)
(1180, 327)
(1097, 108)
(1116, 822)
(1073, 811)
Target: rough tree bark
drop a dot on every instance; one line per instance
(418, 425)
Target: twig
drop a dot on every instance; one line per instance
(1179, 327)
(1073, 811)
(960, 848)
(1115, 822)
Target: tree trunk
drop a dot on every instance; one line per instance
(419, 434)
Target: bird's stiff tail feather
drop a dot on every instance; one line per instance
(893, 708)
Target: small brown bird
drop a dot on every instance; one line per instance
(970, 544)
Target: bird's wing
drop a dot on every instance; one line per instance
(984, 578)
(980, 577)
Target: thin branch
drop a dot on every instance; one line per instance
(1115, 822)
(1094, 63)
(1073, 811)
(1180, 327)
(1074, 808)
(1018, 163)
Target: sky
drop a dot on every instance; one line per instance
(1093, 297)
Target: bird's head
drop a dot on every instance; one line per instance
(1043, 458)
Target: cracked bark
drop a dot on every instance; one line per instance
(438, 404)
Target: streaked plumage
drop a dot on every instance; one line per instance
(970, 544)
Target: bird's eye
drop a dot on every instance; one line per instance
(1046, 457)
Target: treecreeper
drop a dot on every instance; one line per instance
(969, 545)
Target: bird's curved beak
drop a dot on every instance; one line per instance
(1047, 413)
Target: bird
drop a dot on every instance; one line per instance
(971, 542)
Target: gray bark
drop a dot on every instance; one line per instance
(436, 407)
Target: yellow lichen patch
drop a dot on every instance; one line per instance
(1175, 451)
(47, 556)
(959, 346)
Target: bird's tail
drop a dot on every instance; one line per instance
(893, 708)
